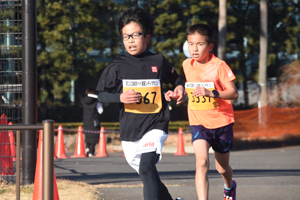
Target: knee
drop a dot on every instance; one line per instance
(202, 164)
(145, 169)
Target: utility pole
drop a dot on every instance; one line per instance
(29, 89)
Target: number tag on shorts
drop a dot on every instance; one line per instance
(151, 96)
(201, 102)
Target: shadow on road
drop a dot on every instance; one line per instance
(119, 178)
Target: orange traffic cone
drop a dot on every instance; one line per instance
(6, 161)
(102, 145)
(180, 144)
(54, 156)
(60, 146)
(12, 142)
(38, 179)
(79, 149)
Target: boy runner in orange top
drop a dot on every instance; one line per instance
(210, 89)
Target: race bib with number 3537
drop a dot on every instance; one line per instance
(201, 102)
(151, 95)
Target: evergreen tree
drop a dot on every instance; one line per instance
(68, 31)
(172, 18)
(284, 34)
(243, 38)
(77, 39)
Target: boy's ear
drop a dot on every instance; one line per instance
(211, 46)
(148, 38)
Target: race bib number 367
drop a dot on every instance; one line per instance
(201, 102)
(151, 96)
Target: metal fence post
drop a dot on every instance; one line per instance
(49, 128)
(48, 160)
(18, 136)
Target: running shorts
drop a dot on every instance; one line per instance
(220, 139)
(152, 141)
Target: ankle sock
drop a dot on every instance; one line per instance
(229, 188)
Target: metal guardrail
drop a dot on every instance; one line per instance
(48, 157)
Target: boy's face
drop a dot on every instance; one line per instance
(138, 45)
(199, 48)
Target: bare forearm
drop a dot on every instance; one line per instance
(227, 95)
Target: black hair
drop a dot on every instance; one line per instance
(89, 91)
(138, 15)
(202, 29)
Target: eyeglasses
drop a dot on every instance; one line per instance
(125, 37)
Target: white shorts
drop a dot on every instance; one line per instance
(152, 141)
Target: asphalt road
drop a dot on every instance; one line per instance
(270, 174)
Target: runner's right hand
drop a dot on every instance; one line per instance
(130, 96)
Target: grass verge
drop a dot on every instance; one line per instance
(67, 190)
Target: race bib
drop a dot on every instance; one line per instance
(201, 102)
(150, 91)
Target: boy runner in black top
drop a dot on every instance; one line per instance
(134, 81)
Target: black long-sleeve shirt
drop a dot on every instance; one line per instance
(146, 67)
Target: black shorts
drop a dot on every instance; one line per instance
(220, 139)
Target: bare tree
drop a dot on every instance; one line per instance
(222, 26)
(263, 99)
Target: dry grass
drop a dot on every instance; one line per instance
(288, 86)
(67, 190)
(172, 139)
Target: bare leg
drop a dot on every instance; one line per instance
(223, 167)
(201, 148)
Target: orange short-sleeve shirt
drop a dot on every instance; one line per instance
(215, 71)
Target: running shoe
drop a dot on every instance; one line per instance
(230, 194)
